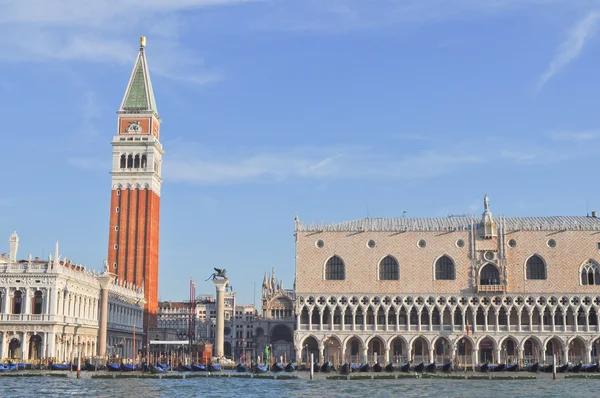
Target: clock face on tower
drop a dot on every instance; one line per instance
(134, 127)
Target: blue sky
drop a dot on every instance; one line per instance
(329, 109)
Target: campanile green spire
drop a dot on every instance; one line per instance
(139, 96)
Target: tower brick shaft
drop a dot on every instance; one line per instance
(133, 237)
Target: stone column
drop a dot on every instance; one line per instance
(431, 354)
(25, 302)
(3, 346)
(365, 355)
(25, 346)
(387, 355)
(221, 284)
(105, 279)
(310, 319)
(5, 302)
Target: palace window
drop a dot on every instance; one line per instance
(17, 301)
(123, 163)
(489, 275)
(37, 303)
(389, 270)
(130, 161)
(444, 269)
(590, 274)
(536, 269)
(335, 269)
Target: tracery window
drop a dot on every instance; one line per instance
(335, 269)
(389, 270)
(444, 269)
(590, 274)
(489, 275)
(536, 269)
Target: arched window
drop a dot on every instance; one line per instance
(123, 163)
(136, 161)
(489, 275)
(444, 269)
(536, 269)
(130, 161)
(389, 270)
(144, 161)
(335, 269)
(590, 274)
(17, 301)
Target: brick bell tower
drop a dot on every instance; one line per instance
(136, 179)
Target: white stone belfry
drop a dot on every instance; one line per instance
(13, 246)
(221, 284)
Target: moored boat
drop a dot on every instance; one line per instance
(327, 367)
(419, 368)
(127, 367)
(198, 368)
(404, 368)
(55, 366)
(365, 367)
(113, 367)
(574, 368)
(377, 367)
(277, 367)
(240, 367)
(430, 368)
(497, 368)
(184, 368)
(512, 368)
(7, 368)
(589, 368)
(345, 369)
(390, 367)
(156, 369)
(260, 369)
(562, 368)
(290, 367)
(482, 368)
(447, 367)
(214, 367)
(532, 367)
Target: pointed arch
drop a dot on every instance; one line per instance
(335, 269)
(489, 274)
(535, 268)
(445, 269)
(389, 269)
(590, 273)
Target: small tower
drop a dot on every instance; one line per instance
(133, 236)
(488, 224)
(13, 247)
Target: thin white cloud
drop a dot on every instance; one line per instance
(576, 136)
(570, 49)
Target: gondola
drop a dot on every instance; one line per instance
(316, 367)
(54, 366)
(497, 368)
(327, 367)
(533, 367)
(213, 367)
(430, 368)
(589, 368)
(113, 367)
(156, 370)
(345, 369)
(447, 367)
(545, 368)
(184, 368)
(574, 368)
(377, 368)
(404, 368)
(512, 368)
(198, 368)
(365, 367)
(127, 367)
(290, 367)
(390, 367)
(260, 369)
(240, 367)
(7, 367)
(562, 368)
(277, 367)
(73, 367)
(482, 368)
(90, 367)
(419, 368)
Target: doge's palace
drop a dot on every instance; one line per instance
(461, 288)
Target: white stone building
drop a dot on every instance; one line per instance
(51, 308)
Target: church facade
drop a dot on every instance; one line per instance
(467, 289)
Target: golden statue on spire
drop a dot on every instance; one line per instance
(142, 41)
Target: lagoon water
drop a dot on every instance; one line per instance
(302, 387)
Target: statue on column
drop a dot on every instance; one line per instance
(220, 273)
(486, 202)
